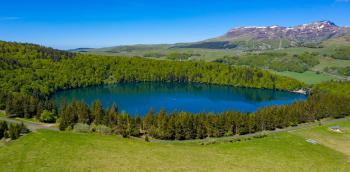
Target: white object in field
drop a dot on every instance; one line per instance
(311, 141)
(335, 129)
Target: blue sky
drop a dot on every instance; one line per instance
(69, 24)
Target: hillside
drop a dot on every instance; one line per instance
(256, 38)
(279, 37)
(311, 53)
(287, 151)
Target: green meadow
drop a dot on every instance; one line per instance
(285, 151)
(308, 77)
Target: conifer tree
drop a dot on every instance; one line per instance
(97, 112)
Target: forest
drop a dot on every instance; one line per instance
(275, 61)
(30, 74)
(39, 71)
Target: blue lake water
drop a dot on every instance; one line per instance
(139, 97)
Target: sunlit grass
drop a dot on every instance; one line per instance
(308, 77)
(62, 151)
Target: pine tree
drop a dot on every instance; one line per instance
(201, 130)
(97, 112)
(64, 121)
(148, 120)
(112, 115)
(161, 124)
(84, 113)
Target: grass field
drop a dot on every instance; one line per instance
(62, 151)
(329, 62)
(334, 140)
(308, 77)
(205, 54)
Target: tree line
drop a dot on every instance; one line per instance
(24, 106)
(184, 125)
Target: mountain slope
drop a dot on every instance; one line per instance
(278, 37)
(313, 35)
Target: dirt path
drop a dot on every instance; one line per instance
(30, 125)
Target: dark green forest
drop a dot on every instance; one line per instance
(30, 73)
(39, 71)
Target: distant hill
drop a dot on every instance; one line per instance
(278, 37)
(257, 38)
(80, 49)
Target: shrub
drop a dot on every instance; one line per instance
(258, 136)
(102, 129)
(146, 138)
(81, 128)
(69, 128)
(48, 116)
(229, 133)
(14, 130)
(93, 127)
(3, 129)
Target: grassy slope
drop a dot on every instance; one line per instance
(336, 141)
(329, 62)
(206, 54)
(60, 151)
(308, 77)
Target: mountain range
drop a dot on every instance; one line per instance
(251, 38)
(276, 37)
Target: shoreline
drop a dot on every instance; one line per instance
(300, 91)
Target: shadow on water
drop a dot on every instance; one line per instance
(192, 97)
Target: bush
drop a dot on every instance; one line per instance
(3, 129)
(11, 130)
(14, 130)
(69, 128)
(81, 128)
(48, 116)
(259, 136)
(229, 133)
(93, 127)
(102, 129)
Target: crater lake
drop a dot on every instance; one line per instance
(191, 97)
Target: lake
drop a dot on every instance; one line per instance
(191, 97)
